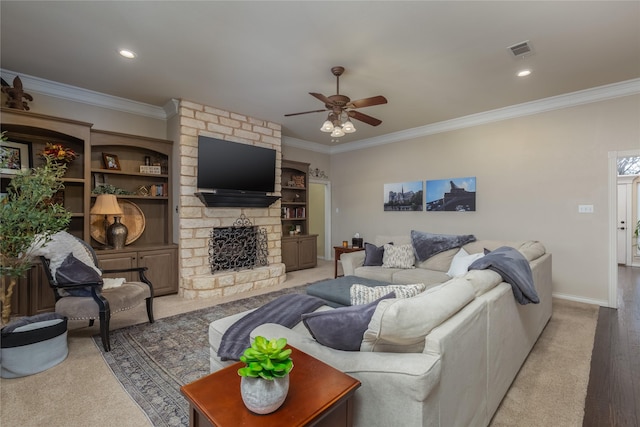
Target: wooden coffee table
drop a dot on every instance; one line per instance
(319, 395)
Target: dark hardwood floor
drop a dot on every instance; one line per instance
(613, 394)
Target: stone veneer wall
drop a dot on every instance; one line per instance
(197, 220)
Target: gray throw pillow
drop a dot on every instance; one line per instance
(426, 245)
(373, 255)
(341, 328)
(73, 271)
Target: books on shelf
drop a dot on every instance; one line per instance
(156, 190)
(293, 212)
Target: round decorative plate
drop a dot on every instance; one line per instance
(133, 218)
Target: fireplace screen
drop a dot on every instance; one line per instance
(239, 247)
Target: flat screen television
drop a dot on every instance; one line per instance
(234, 167)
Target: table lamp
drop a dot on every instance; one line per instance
(116, 233)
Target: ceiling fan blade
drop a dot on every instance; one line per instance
(367, 102)
(322, 98)
(364, 118)
(304, 112)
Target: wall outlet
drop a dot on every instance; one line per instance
(585, 208)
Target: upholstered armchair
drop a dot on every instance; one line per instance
(81, 293)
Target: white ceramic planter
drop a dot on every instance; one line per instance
(262, 396)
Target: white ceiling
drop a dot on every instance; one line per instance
(433, 60)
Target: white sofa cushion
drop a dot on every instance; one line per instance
(400, 325)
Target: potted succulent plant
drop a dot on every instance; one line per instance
(265, 377)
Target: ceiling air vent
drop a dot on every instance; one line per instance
(520, 49)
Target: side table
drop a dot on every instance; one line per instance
(339, 250)
(319, 395)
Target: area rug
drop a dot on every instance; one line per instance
(152, 361)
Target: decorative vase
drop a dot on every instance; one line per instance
(262, 396)
(117, 233)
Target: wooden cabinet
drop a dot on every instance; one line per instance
(299, 248)
(161, 261)
(299, 252)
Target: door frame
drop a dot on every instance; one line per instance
(327, 215)
(613, 222)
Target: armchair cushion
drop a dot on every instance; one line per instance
(73, 271)
(343, 327)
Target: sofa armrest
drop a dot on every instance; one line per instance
(351, 260)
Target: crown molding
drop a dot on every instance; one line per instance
(600, 93)
(85, 96)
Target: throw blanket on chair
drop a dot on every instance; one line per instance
(514, 269)
(286, 310)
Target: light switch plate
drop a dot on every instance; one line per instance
(585, 208)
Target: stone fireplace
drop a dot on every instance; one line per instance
(197, 222)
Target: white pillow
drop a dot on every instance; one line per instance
(361, 294)
(398, 256)
(461, 262)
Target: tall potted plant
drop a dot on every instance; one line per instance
(28, 216)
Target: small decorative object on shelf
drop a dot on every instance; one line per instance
(58, 153)
(116, 233)
(265, 376)
(298, 181)
(110, 189)
(15, 95)
(111, 161)
(153, 170)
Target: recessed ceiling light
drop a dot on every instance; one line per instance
(524, 73)
(127, 53)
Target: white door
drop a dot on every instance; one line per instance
(622, 225)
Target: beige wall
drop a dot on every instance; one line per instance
(102, 118)
(532, 173)
(316, 160)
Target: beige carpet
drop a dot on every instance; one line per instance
(551, 386)
(82, 391)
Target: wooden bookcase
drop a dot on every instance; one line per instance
(154, 248)
(150, 192)
(299, 249)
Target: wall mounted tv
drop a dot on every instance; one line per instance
(233, 167)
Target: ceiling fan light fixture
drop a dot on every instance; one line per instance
(327, 126)
(337, 132)
(524, 73)
(348, 127)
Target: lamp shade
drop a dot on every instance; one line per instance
(348, 127)
(327, 126)
(106, 204)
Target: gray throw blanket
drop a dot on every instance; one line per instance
(514, 269)
(286, 310)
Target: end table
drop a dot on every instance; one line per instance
(319, 396)
(339, 250)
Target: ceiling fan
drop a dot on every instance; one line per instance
(341, 107)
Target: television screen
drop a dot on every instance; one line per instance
(233, 166)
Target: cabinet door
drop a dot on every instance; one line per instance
(307, 252)
(161, 271)
(119, 261)
(290, 254)
(32, 294)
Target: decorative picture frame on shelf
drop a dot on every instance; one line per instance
(14, 157)
(111, 161)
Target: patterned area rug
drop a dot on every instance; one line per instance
(152, 361)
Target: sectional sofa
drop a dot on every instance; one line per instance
(445, 357)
